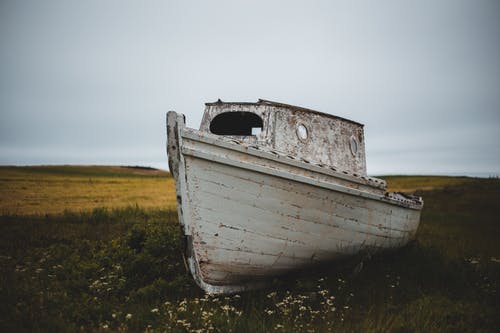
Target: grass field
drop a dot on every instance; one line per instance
(54, 189)
(71, 263)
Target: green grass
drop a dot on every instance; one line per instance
(121, 269)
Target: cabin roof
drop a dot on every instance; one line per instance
(283, 105)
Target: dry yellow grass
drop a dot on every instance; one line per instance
(410, 184)
(52, 190)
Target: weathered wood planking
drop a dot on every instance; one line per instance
(236, 218)
(249, 211)
(279, 132)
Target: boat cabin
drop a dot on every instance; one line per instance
(305, 134)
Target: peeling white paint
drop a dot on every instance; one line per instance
(252, 207)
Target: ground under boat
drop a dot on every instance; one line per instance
(267, 188)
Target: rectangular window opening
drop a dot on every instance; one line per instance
(256, 130)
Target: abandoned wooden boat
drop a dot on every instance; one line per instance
(266, 188)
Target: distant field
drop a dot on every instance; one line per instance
(85, 267)
(411, 184)
(54, 189)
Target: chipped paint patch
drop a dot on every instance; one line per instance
(257, 206)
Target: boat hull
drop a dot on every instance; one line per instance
(249, 216)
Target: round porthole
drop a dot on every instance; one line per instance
(302, 132)
(354, 145)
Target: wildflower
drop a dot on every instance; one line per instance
(128, 316)
(271, 295)
(278, 326)
(323, 292)
(113, 315)
(105, 326)
(184, 323)
(155, 310)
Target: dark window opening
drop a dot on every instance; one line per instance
(236, 123)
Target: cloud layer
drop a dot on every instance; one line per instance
(91, 82)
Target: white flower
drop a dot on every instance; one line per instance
(271, 294)
(155, 310)
(128, 316)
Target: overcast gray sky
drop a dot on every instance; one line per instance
(89, 82)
